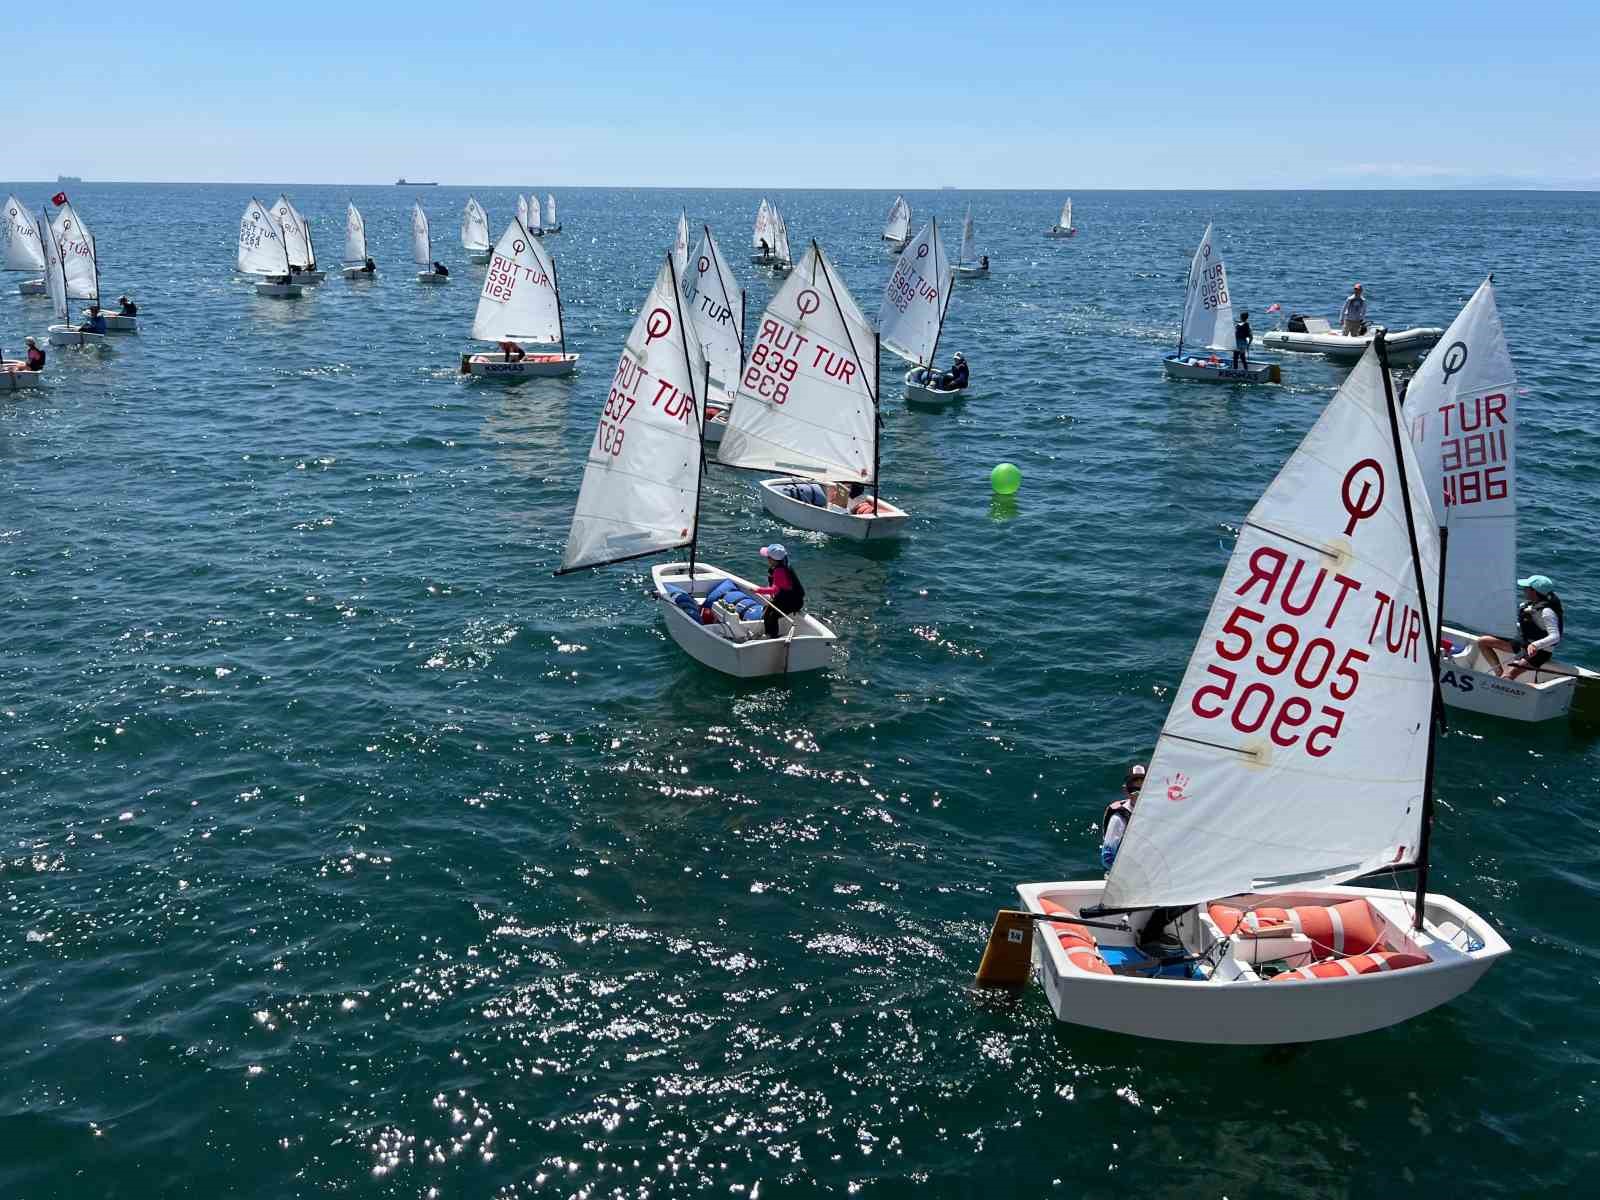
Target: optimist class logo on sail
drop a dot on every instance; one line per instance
(781, 350)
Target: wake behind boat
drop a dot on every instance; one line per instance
(1208, 326)
(1297, 757)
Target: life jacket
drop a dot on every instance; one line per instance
(1528, 627)
(1121, 805)
(35, 359)
(791, 599)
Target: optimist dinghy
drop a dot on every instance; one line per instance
(897, 229)
(808, 407)
(21, 248)
(1314, 335)
(520, 302)
(641, 495)
(422, 246)
(1208, 323)
(1461, 411)
(262, 252)
(1297, 757)
(71, 273)
(761, 238)
(475, 232)
(968, 264)
(680, 247)
(716, 310)
(15, 376)
(297, 238)
(1064, 227)
(551, 224)
(911, 317)
(355, 246)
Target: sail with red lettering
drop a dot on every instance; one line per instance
(918, 295)
(1207, 308)
(1461, 410)
(22, 248)
(1295, 748)
(807, 399)
(763, 229)
(519, 301)
(716, 307)
(261, 248)
(78, 261)
(294, 233)
(642, 477)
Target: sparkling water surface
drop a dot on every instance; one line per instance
(348, 851)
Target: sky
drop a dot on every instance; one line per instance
(791, 95)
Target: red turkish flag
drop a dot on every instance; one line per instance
(58, 199)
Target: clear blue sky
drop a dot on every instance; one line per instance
(996, 94)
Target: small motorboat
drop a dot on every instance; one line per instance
(803, 504)
(920, 390)
(1314, 335)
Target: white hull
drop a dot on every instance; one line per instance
(1466, 682)
(552, 229)
(280, 291)
(808, 648)
(432, 277)
(31, 287)
(762, 260)
(894, 247)
(1404, 345)
(534, 366)
(309, 278)
(918, 392)
(477, 256)
(1215, 369)
(1056, 231)
(887, 524)
(115, 323)
(14, 377)
(357, 273)
(71, 335)
(971, 272)
(1237, 1004)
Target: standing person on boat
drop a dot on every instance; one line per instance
(784, 590)
(126, 307)
(1353, 316)
(1540, 624)
(1242, 337)
(1114, 821)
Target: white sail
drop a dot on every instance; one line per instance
(55, 277)
(806, 402)
(763, 229)
(311, 242)
(261, 248)
(716, 309)
(355, 235)
(1295, 748)
(522, 210)
(780, 237)
(1207, 308)
(1461, 410)
(1066, 214)
(680, 246)
(77, 254)
(474, 227)
(421, 238)
(550, 221)
(294, 234)
(969, 244)
(22, 248)
(643, 473)
(914, 303)
(519, 301)
(535, 226)
(898, 227)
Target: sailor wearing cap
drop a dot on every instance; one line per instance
(1114, 822)
(784, 591)
(1540, 624)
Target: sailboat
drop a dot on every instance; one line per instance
(761, 239)
(422, 246)
(355, 245)
(70, 274)
(520, 302)
(782, 260)
(475, 231)
(968, 263)
(23, 249)
(716, 310)
(551, 225)
(15, 375)
(680, 246)
(1297, 757)
(1461, 410)
(1208, 326)
(1064, 227)
(522, 211)
(297, 238)
(897, 229)
(262, 252)
(641, 495)
(911, 317)
(808, 406)
(533, 224)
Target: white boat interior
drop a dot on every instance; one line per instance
(733, 638)
(829, 508)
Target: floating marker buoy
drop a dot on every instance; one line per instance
(1005, 479)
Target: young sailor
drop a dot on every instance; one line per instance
(1242, 337)
(95, 322)
(369, 267)
(783, 588)
(440, 269)
(126, 307)
(35, 356)
(1540, 624)
(1114, 821)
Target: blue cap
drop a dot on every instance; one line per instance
(1539, 583)
(775, 552)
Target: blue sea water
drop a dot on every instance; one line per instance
(347, 851)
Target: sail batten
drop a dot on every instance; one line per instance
(519, 301)
(915, 300)
(1296, 745)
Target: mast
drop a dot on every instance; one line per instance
(877, 413)
(944, 308)
(699, 411)
(555, 284)
(1435, 718)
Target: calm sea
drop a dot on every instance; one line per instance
(347, 851)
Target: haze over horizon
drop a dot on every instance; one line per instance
(626, 94)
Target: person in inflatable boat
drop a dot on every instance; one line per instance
(1540, 624)
(1114, 821)
(1353, 316)
(784, 589)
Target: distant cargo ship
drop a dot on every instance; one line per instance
(69, 179)
(404, 182)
